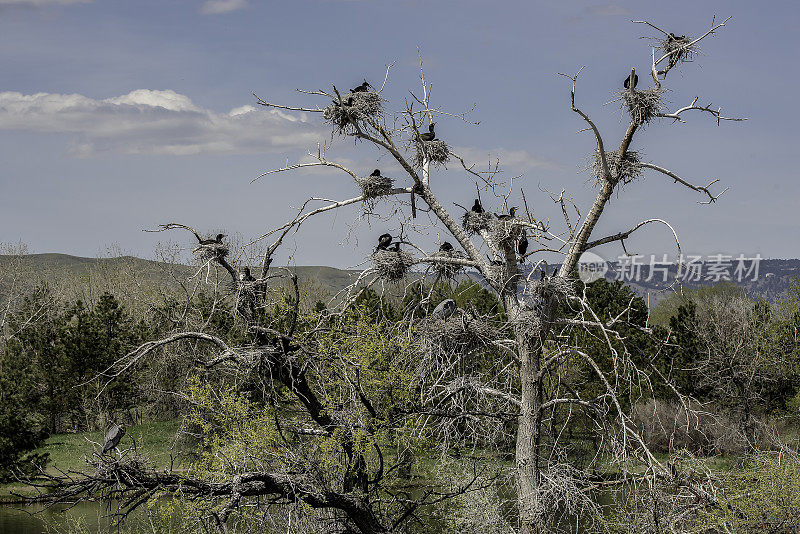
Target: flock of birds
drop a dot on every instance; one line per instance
(385, 240)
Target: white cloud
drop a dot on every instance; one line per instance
(517, 160)
(216, 7)
(155, 122)
(38, 3)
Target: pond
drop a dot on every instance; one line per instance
(33, 519)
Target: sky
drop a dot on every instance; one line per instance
(116, 117)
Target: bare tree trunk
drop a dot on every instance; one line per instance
(528, 435)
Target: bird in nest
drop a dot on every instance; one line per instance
(361, 88)
(215, 241)
(430, 135)
(445, 309)
(446, 247)
(113, 437)
(376, 173)
(384, 241)
(245, 275)
(512, 212)
(627, 81)
(477, 208)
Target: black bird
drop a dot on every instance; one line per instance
(477, 208)
(113, 437)
(216, 241)
(627, 81)
(245, 275)
(431, 135)
(376, 172)
(512, 212)
(522, 247)
(349, 101)
(361, 88)
(395, 247)
(384, 241)
(445, 309)
(445, 247)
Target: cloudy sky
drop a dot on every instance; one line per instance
(118, 116)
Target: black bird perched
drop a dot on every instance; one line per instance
(349, 101)
(384, 241)
(512, 212)
(376, 172)
(477, 208)
(445, 247)
(245, 275)
(627, 81)
(445, 309)
(522, 247)
(395, 247)
(113, 437)
(216, 241)
(361, 88)
(431, 135)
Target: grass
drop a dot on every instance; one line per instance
(68, 452)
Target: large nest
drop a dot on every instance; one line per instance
(643, 106)
(625, 171)
(212, 251)
(355, 107)
(437, 152)
(679, 49)
(552, 287)
(448, 270)
(392, 265)
(529, 320)
(506, 231)
(374, 186)
(459, 333)
(473, 222)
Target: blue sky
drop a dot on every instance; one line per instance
(118, 116)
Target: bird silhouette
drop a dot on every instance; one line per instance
(477, 208)
(376, 172)
(216, 241)
(522, 247)
(445, 247)
(384, 241)
(361, 88)
(431, 135)
(113, 437)
(245, 275)
(445, 309)
(512, 212)
(627, 81)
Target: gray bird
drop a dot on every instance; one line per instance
(445, 309)
(113, 437)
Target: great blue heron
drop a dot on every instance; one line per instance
(627, 81)
(522, 247)
(216, 241)
(445, 309)
(384, 241)
(431, 135)
(113, 437)
(477, 208)
(445, 247)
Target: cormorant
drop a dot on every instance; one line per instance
(349, 101)
(361, 88)
(245, 275)
(445, 247)
(477, 208)
(445, 309)
(431, 135)
(376, 172)
(627, 81)
(522, 247)
(216, 241)
(384, 241)
(512, 212)
(113, 437)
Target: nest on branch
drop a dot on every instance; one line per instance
(624, 171)
(460, 333)
(506, 231)
(679, 49)
(643, 106)
(436, 152)
(473, 222)
(212, 251)
(392, 265)
(354, 108)
(552, 287)
(448, 270)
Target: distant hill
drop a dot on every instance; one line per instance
(772, 279)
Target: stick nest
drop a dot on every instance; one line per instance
(374, 186)
(529, 320)
(437, 151)
(215, 251)
(626, 171)
(506, 231)
(553, 287)
(448, 270)
(390, 265)
(473, 222)
(459, 333)
(679, 49)
(643, 106)
(343, 118)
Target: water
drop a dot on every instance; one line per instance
(33, 519)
